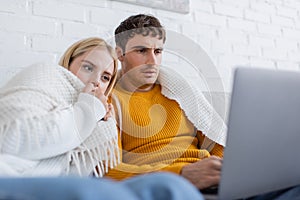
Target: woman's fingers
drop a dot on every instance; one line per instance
(89, 88)
(97, 92)
(110, 112)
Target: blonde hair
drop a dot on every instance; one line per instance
(85, 45)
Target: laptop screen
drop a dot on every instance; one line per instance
(261, 153)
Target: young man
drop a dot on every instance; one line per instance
(156, 134)
(164, 124)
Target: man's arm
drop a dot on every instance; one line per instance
(207, 172)
(187, 170)
(125, 170)
(215, 148)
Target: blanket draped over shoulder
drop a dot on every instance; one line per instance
(196, 107)
(26, 102)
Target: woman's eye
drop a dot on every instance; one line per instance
(88, 68)
(106, 78)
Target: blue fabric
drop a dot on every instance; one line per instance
(146, 187)
(292, 193)
(163, 186)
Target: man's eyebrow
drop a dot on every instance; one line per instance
(139, 47)
(144, 47)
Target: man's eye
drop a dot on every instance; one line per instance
(88, 68)
(158, 51)
(141, 50)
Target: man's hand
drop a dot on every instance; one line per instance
(204, 173)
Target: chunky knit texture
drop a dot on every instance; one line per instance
(159, 134)
(32, 104)
(196, 107)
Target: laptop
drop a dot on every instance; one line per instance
(262, 148)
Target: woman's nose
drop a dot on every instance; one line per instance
(95, 79)
(96, 83)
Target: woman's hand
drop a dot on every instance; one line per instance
(110, 112)
(90, 88)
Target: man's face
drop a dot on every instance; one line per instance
(140, 64)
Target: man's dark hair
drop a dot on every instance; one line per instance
(140, 24)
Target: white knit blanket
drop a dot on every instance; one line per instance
(25, 102)
(196, 107)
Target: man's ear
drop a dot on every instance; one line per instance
(119, 52)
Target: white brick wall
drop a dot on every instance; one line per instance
(263, 33)
(60, 10)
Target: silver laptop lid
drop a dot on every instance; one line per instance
(263, 141)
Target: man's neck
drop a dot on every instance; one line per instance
(128, 86)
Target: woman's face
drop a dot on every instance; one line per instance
(95, 66)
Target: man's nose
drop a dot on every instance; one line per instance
(152, 58)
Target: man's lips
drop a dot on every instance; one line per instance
(149, 73)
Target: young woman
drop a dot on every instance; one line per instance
(56, 120)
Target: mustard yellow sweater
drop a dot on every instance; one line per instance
(155, 135)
